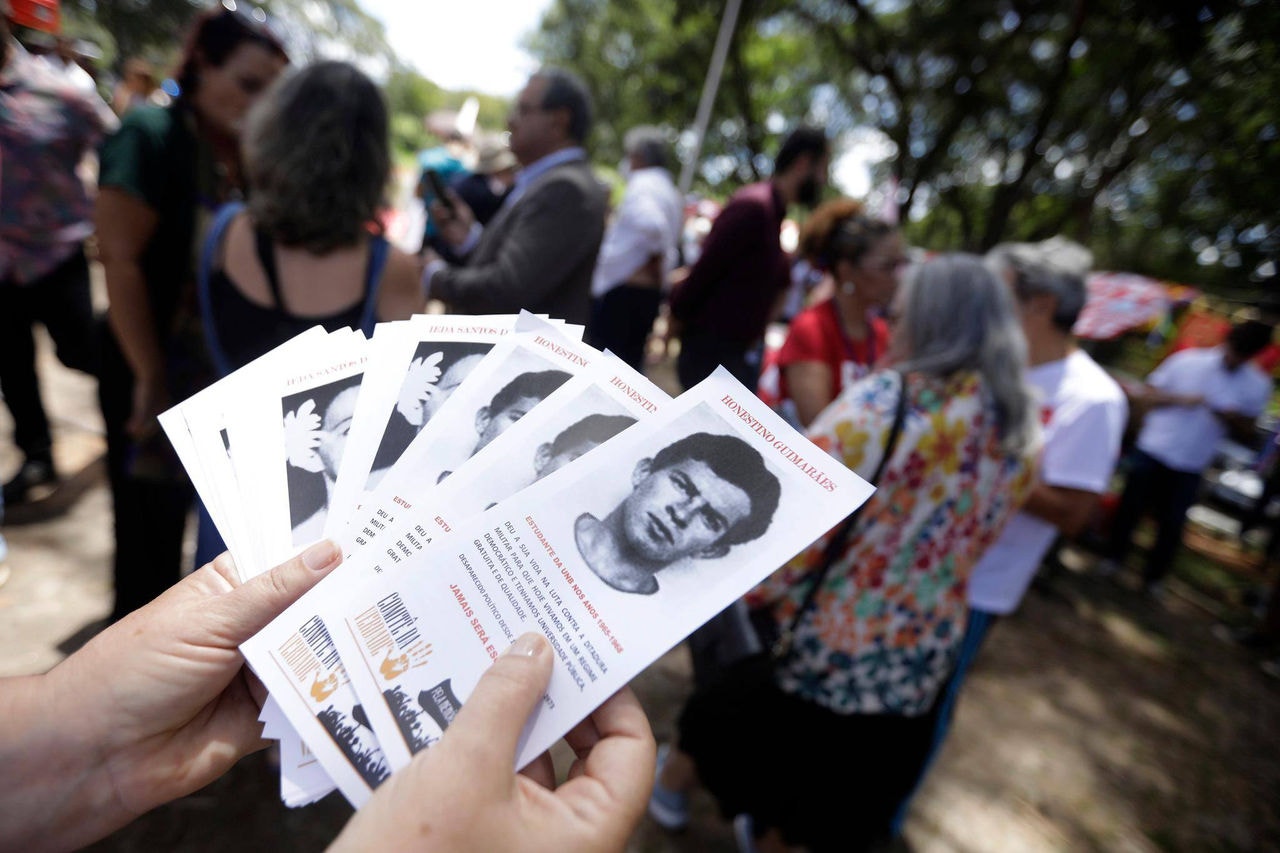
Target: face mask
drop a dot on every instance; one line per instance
(807, 193)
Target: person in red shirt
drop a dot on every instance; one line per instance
(840, 337)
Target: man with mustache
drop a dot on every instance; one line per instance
(697, 497)
(721, 310)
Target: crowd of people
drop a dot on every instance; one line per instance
(249, 207)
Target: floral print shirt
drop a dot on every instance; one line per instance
(46, 127)
(883, 632)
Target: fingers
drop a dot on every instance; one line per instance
(488, 727)
(250, 607)
(621, 760)
(541, 770)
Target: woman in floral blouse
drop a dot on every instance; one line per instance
(824, 760)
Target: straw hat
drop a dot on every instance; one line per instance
(494, 156)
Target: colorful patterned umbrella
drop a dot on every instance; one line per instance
(1118, 302)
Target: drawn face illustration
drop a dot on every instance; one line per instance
(449, 382)
(334, 429)
(490, 425)
(547, 462)
(681, 510)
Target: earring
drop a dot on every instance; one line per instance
(848, 288)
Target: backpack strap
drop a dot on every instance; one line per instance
(209, 251)
(379, 249)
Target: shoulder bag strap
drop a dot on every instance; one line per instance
(835, 545)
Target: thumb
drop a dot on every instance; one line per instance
(487, 730)
(251, 606)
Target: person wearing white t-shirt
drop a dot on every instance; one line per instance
(1083, 412)
(1197, 397)
(639, 251)
(1082, 409)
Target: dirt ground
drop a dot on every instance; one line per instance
(1095, 718)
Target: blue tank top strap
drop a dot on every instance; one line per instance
(378, 251)
(208, 251)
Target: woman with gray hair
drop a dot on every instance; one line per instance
(879, 637)
(307, 249)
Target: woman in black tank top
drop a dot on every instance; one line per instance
(318, 161)
(307, 250)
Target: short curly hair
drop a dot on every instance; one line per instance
(317, 157)
(734, 461)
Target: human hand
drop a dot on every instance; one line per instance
(419, 385)
(453, 224)
(462, 794)
(161, 704)
(302, 437)
(150, 398)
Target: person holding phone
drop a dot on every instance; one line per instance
(539, 250)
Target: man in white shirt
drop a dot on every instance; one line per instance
(1196, 398)
(1083, 412)
(639, 251)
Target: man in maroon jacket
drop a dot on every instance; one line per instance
(722, 309)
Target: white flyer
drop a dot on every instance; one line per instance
(196, 428)
(516, 375)
(288, 436)
(413, 367)
(576, 419)
(609, 387)
(615, 559)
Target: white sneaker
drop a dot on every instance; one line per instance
(669, 809)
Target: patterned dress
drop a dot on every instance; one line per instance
(884, 629)
(46, 126)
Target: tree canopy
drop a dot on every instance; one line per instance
(1147, 130)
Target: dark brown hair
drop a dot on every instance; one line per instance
(213, 37)
(317, 157)
(840, 229)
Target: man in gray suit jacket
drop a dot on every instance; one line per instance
(539, 250)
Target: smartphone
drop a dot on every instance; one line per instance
(439, 190)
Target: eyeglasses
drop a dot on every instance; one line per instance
(889, 265)
(524, 108)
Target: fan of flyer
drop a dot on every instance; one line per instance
(484, 476)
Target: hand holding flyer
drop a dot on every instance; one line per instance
(548, 488)
(614, 559)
